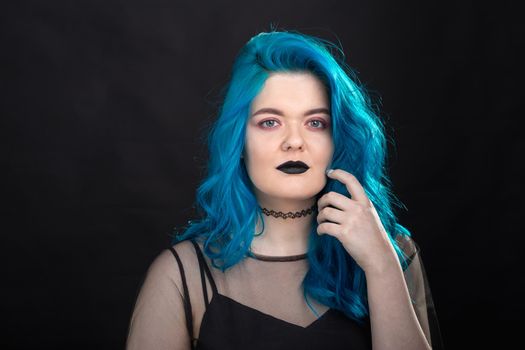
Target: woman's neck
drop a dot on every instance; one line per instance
(284, 237)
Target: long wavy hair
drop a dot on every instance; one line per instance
(225, 200)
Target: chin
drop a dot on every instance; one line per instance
(295, 193)
(295, 187)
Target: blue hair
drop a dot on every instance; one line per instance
(225, 198)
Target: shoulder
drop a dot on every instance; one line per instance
(185, 250)
(165, 264)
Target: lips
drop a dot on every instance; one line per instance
(293, 167)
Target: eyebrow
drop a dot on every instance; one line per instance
(278, 112)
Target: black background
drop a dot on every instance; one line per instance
(103, 107)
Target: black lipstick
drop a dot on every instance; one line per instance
(293, 167)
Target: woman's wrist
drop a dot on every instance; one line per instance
(385, 266)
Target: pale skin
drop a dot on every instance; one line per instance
(296, 128)
(353, 221)
(356, 224)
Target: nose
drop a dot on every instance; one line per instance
(293, 139)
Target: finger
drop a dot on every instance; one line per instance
(352, 184)
(331, 215)
(333, 199)
(329, 229)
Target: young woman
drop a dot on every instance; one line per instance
(297, 244)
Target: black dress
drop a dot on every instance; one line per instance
(228, 324)
(259, 303)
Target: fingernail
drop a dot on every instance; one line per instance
(328, 171)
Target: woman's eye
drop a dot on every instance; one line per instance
(265, 123)
(318, 124)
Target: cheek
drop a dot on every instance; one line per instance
(330, 146)
(257, 152)
(325, 150)
(330, 152)
(260, 160)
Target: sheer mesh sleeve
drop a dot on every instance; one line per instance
(419, 289)
(159, 317)
(158, 320)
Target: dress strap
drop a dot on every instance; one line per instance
(187, 303)
(204, 269)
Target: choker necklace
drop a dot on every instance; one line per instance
(297, 214)
(276, 258)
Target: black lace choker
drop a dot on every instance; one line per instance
(276, 258)
(297, 214)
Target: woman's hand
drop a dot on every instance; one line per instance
(356, 224)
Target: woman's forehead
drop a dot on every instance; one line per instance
(291, 90)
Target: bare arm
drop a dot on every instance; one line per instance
(356, 223)
(393, 320)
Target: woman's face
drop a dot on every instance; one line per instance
(289, 121)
